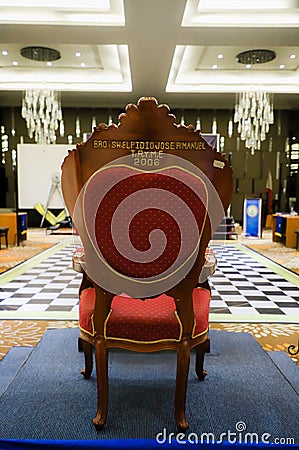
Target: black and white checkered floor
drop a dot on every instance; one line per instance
(243, 289)
(50, 286)
(243, 286)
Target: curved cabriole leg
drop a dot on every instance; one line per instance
(80, 345)
(102, 383)
(86, 347)
(183, 361)
(200, 355)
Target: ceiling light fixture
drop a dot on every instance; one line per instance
(41, 108)
(44, 54)
(256, 56)
(254, 109)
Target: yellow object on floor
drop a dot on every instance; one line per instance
(51, 218)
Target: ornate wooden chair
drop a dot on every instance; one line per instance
(145, 196)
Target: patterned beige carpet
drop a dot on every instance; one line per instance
(37, 241)
(12, 256)
(279, 253)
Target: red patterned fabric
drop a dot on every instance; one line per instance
(144, 320)
(86, 310)
(147, 220)
(201, 307)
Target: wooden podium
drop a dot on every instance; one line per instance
(291, 223)
(9, 220)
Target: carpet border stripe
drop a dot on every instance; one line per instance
(11, 274)
(290, 276)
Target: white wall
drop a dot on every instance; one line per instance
(36, 165)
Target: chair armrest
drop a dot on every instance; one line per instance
(209, 266)
(78, 261)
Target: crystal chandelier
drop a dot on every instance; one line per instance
(41, 109)
(254, 109)
(254, 114)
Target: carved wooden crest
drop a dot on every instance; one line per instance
(148, 133)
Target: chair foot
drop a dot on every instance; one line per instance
(201, 376)
(182, 425)
(86, 373)
(102, 384)
(200, 354)
(86, 348)
(183, 360)
(98, 423)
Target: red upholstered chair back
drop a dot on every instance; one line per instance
(143, 226)
(149, 204)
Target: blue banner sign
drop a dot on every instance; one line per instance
(252, 215)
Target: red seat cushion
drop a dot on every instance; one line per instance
(86, 310)
(201, 307)
(149, 320)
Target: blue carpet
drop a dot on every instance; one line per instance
(11, 364)
(49, 399)
(287, 367)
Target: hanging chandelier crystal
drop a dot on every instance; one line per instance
(254, 115)
(41, 109)
(254, 109)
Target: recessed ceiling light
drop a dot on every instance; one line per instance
(78, 54)
(83, 65)
(281, 66)
(214, 66)
(15, 63)
(49, 63)
(220, 56)
(4, 52)
(292, 56)
(36, 53)
(248, 66)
